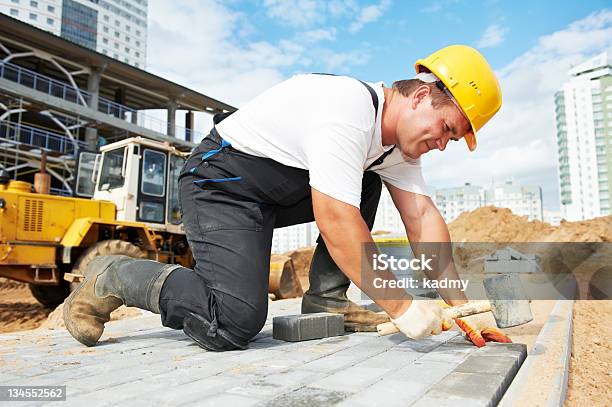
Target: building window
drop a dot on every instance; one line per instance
(127, 39)
(34, 4)
(127, 61)
(105, 29)
(137, 54)
(117, 23)
(138, 43)
(104, 51)
(137, 65)
(33, 16)
(128, 28)
(50, 21)
(79, 23)
(105, 40)
(15, 1)
(127, 50)
(105, 18)
(138, 33)
(51, 9)
(116, 56)
(14, 12)
(116, 46)
(117, 34)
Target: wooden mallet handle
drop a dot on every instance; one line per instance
(463, 310)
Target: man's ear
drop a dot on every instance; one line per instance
(420, 94)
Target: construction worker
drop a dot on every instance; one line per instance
(314, 147)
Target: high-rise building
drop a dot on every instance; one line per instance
(294, 237)
(451, 202)
(387, 217)
(521, 200)
(117, 28)
(584, 139)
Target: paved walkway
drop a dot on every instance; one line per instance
(141, 363)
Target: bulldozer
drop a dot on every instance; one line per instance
(48, 240)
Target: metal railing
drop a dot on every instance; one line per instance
(67, 92)
(33, 136)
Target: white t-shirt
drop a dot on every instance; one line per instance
(324, 124)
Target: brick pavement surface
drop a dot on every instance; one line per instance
(139, 362)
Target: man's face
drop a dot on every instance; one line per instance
(422, 128)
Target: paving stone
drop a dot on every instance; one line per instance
(390, 359)
(426, 373)
(516, 349)
(195, 392)
(471, 389)
(303, 327)
(352, 379)
(308, 397)
(482, 378)
(330, 363)
(490, 364)
(387, 393)
(423, 345)
(220, 400)
(449, 353)
(141, 363)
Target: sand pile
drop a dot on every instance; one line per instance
(491, 224)
(19, 310)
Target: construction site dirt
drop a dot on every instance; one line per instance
(590, 380)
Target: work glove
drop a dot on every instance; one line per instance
(423, 317)
(479, 328)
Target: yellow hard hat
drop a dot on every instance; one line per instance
(471, 81)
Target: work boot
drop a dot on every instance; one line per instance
(111, 281)
(327, 293)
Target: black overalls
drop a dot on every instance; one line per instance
(231, 202)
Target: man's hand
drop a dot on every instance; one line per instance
(423, 317)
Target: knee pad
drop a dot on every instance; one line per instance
(209, 336)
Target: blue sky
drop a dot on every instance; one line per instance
(406, 30)
(232, 50)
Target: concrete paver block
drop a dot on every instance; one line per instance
(308, 396)
(304, 327)
(154, 366)
(387, 393)
(481, 379)
(352, 379)
(490, 364)
(469, 389)
(426, 373)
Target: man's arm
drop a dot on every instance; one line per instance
(345, 234)
(424, 224)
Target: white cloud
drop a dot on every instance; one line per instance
(432, 8)
(204, 45)
(520, 141)
(320, 34)
(369, 14)
(339, 62)
(309, 13)
(298, 13)
(492, 37)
